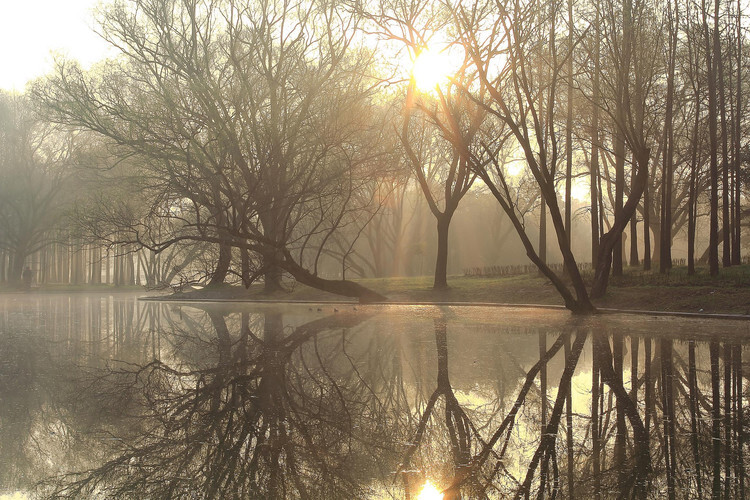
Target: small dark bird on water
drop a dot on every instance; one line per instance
(319, 309)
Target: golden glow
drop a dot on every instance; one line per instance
(431, 69)
(430, 492)
(579, 190)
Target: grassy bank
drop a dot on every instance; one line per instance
(676, 291)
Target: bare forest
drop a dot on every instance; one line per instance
(323, 141)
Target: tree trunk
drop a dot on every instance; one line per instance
(736, 248)
(16, 266)
(222, 265)
(3, 266)
(612, 238)
(441, 263)
(665, 257)
(569, 130)
(646, 230)
(594, 171)
(619, 190)
(543, 231)
(272, 276)
(692, 191)
(634, 260)
(338, 287)
(713, 252)
(726, 251)
(245, 267)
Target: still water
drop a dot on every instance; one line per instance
(107, 396)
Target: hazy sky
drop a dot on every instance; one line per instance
(30, 30)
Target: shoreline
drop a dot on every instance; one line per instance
(604, 310)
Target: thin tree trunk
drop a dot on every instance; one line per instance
(736, 249)
(665, 257)
(619, 191)
(245, 267)
(713, 251)
(726, 252)
(646, 229)
(569, 130)
(543, 231)
(634, 260)
(692, 191)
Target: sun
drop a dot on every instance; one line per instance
(430, 492)
(431, 68)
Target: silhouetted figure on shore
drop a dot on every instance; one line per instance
(27, 277)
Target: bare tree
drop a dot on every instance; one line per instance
(253, 114)
(443, 173)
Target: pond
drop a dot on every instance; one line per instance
(108, 396)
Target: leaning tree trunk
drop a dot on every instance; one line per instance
(338, 287)
(611, 239)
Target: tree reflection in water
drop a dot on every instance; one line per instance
(273, 416)
(215, 403)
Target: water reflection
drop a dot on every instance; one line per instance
(111, 397)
